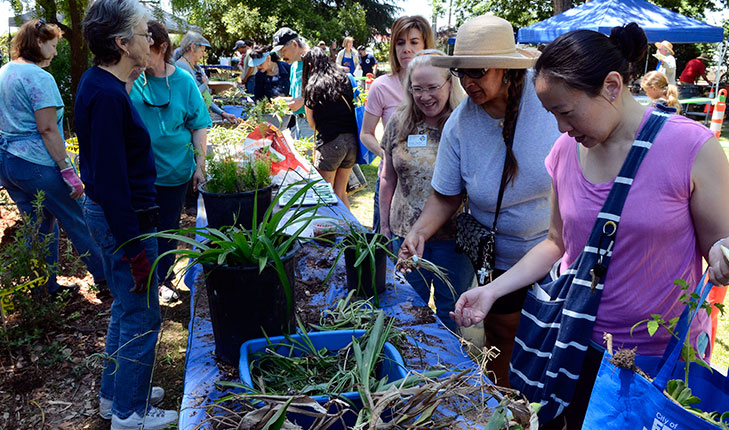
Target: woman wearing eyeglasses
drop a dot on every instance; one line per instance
(410, 145)
(410, 34)
(175, 115)
(118, 169)
(32, 151)
(272, 78)
(474, 156)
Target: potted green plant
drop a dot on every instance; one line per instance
(234, 187)
(365, 258)
(249, 274)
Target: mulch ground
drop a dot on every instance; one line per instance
(51, 381)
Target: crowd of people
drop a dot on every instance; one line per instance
(528, 144)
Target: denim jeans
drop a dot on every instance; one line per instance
(170, 201)
(133, 327)
(457, 267)
(23, 179)
(302, 129)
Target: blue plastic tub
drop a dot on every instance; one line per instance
(392, 365)
(234, 110)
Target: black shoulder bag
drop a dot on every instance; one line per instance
(477, 241)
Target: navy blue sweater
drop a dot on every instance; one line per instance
(115, 154)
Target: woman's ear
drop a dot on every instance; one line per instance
(121, 45)
(612, 86)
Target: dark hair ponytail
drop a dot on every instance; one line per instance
(583, 58)
(515, 79)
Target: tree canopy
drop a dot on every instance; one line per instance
(225, 21)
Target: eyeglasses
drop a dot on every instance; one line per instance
(471, 73)
(169, 91)
(148, 36)
(41, 22)
(419, 92)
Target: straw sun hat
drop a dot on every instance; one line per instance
(487, 42)
(666, 44)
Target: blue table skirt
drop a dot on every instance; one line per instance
(438, 346)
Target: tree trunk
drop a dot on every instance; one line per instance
(79, 50)
(561, 6)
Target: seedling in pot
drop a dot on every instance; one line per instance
(365, 246)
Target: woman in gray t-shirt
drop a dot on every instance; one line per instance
(472, 155)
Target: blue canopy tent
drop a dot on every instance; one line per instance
(601, 15)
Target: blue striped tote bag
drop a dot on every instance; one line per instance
(559, 312)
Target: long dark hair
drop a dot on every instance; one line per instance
(583, 58)
(322, 80)
(514, 78)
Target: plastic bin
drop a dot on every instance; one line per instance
(392, 365)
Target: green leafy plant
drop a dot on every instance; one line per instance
(306, 147)
(256, 113)
(268, 240)
(22, 278)
(227, 174)
(364, 245)
(677, 389)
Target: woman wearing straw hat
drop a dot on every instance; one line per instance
(671, 218)
(666, 61)
(473, 156)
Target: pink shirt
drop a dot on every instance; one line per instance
(384, 96)
(656, 240)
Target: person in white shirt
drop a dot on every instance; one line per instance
(666, 61)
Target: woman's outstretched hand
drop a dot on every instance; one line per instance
(473, 306)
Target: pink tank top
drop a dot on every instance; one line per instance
(656, 241)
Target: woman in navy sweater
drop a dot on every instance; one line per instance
(118, 170)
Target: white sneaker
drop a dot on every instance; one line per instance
(155, 398)
(156, 419)
(167, 294)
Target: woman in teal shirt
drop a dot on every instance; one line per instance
(177, 119)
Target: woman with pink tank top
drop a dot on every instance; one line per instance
(673, 216)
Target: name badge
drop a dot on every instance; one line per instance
(417, 141)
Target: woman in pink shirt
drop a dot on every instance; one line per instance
(673, 216)
(410, 34)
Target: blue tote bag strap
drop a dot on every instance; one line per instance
(673, 351)
(559, 314)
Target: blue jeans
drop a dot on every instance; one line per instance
(457, 267)
(302, 129)
(170, 201)
(133, 327)
(23, 179)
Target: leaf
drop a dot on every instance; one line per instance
(652, 327)
(279, 418)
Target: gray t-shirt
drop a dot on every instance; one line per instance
(471, 157)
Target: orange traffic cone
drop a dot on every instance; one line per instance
(718, 116)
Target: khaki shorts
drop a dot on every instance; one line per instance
(338, 153)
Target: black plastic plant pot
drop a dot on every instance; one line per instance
(244, 304)
(223, 209)
(366, 280)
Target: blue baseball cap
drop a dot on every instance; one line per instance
(255, 62)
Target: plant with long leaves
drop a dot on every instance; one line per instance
(365, 245)
(264, 244)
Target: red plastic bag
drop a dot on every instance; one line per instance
(279, 144)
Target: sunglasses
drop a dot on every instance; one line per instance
(471, 73)
(41, 22)
(169, 95)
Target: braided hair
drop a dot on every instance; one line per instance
(514, 78)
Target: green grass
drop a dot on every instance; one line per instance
(363, 200)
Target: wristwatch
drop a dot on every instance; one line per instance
(65, 163)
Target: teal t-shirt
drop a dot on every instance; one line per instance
(297, 73)
(25, 89)
(170, 125)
